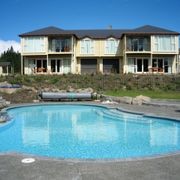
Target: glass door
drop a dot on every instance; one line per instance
(139, 65)
(167, 65)
(56, 66)
(142, 65)
(145, 65)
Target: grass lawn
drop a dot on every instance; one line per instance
(152, 94)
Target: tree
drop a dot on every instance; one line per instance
(13, 57)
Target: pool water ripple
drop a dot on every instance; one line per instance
(86, 131)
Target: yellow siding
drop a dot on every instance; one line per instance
(99, 49)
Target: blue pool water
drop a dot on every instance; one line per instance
(79, 131)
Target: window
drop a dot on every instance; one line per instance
(87, 46)
(34, 44)
(131, 65)
(60, 45)
(56, 65)
(138, 44)
(66, 66)
(164, 43)
(111, 46)
(162, 64)
(138, 65)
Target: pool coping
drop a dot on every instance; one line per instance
(74, 160)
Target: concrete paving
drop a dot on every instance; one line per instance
(159, 168)
(165, 168)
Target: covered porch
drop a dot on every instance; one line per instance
(142, 64)
(51, 64)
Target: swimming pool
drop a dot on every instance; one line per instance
(86, 131)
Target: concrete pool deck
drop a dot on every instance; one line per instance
(159, 168)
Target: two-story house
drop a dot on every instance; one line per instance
(146, 49)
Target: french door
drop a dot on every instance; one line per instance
(142, 65)
(56, 65)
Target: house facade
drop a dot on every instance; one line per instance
(143, 50)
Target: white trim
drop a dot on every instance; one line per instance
(107, 44)
(90, 50)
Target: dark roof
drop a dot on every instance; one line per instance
(51, 30)
(99, 33)
(147, 29)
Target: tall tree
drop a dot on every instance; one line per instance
(13, 57)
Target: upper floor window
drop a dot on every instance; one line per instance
(164, 43)
(34, 44)
(138, 44)
(60, 45)
(111, 46)
(87, 46)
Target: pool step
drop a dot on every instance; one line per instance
(118, 115)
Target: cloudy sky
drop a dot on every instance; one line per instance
(19, 16)
(5, 45)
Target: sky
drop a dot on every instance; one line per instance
(20, 16)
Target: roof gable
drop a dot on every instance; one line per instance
(51, 30)
(100, 33)
(148, 29)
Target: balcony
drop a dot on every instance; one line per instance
(60, 46)
(138, 44)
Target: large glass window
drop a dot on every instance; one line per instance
(139, 65)
(162, 65)
(131, 65)
(164, 43)
(41, 65)
(111, 46)
(138, 44)
(60, 45)
(34, 44)
(87, 46)
(56, 65)
(66, 66)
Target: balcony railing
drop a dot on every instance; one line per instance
(138, 44)
(60, 45)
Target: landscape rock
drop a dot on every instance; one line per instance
(86, 90)
(137, 101)
(70, 89)
(5, 83)
(29, 88)
(54, 90)
(9, 90)
(144, 99)
(36, 101)
(46, 90)
(126, 99)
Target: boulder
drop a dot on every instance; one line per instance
(46, 89)
(137, 101)
(8, 90)
(70, 89)
(86, 90)
(126, 99)
(29, 88)
(54, 90)
(35, 101)
(145, 99)
(5, 83)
